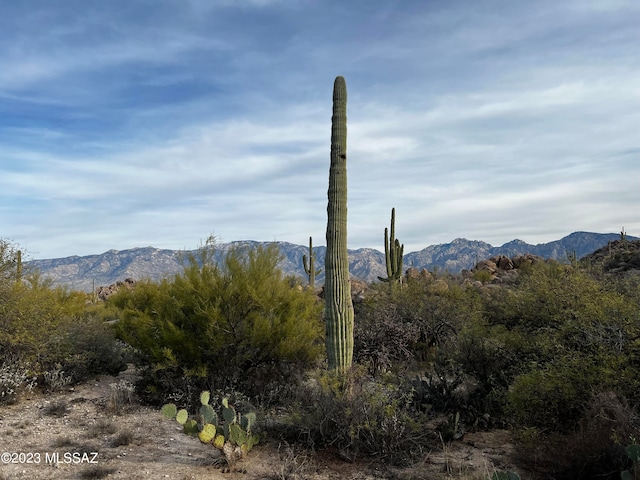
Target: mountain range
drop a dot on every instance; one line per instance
(88, 272)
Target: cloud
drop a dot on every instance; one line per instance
(132, 124)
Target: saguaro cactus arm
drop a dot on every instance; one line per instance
(338, 312)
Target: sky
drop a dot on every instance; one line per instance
(134, 123)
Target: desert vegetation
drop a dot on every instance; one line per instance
(238, 353)
(553, 356)
(49, 336)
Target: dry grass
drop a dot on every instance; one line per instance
(102, 427)
(122, 439)
(57, 409)
(96, 472)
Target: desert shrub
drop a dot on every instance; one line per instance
(8, 259)
(51, 329)
(549, 342)
(28, 316)
(96, 472)
(15, 378)
(382, 338)
(491, 357)
(236, 325)
(121, 396)
(83, 346)
(359, 416)
(444, 388)
(56, 379)
(401, 328)
(58, 408)
(595, 449)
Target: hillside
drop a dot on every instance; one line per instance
(82, 273)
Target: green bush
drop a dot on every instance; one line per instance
(51, 329)
(401, 328)
(593, 449)
(359, 416)
(240, 325)
(550, 342)
(83, 346)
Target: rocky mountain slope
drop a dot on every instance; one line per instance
(88, 272)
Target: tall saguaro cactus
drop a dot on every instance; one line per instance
(393, 252)
(338, 311)
(310, 268)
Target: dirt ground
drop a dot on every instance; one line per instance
(87, 432)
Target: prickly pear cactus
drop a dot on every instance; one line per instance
(247, 421)
(208, 414)
(505, 476)
(169, 411)
(208, 433)
(232, 435)
(191, 427)
(182, 416)
(229, 414)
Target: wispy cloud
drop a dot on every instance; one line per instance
(134, 123)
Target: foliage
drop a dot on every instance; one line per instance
(15, 378)
(9, 254)
(51, 329)
(405, 327)
(359, 416)
(241, 325)
(633, 452)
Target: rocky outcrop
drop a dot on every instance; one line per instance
(358, 291)
(102, 293)
(617, 256)
(415, 274)
(500, 268)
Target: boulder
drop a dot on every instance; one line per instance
(102, 293)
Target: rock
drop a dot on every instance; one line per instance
(358, 289)
(486, 265)
(504, 263)
(414, 274)
(102, 293)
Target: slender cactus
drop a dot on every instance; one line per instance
(18, 266)
(393, 252)
(338, 312)
(310, 268)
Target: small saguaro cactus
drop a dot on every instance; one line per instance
(393, 252)
(310, 268)
(338, 311)
(19, 266)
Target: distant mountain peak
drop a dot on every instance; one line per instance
(367, 264)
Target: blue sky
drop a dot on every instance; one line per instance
(129, 123)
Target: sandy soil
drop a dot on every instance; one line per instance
(84, 433)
